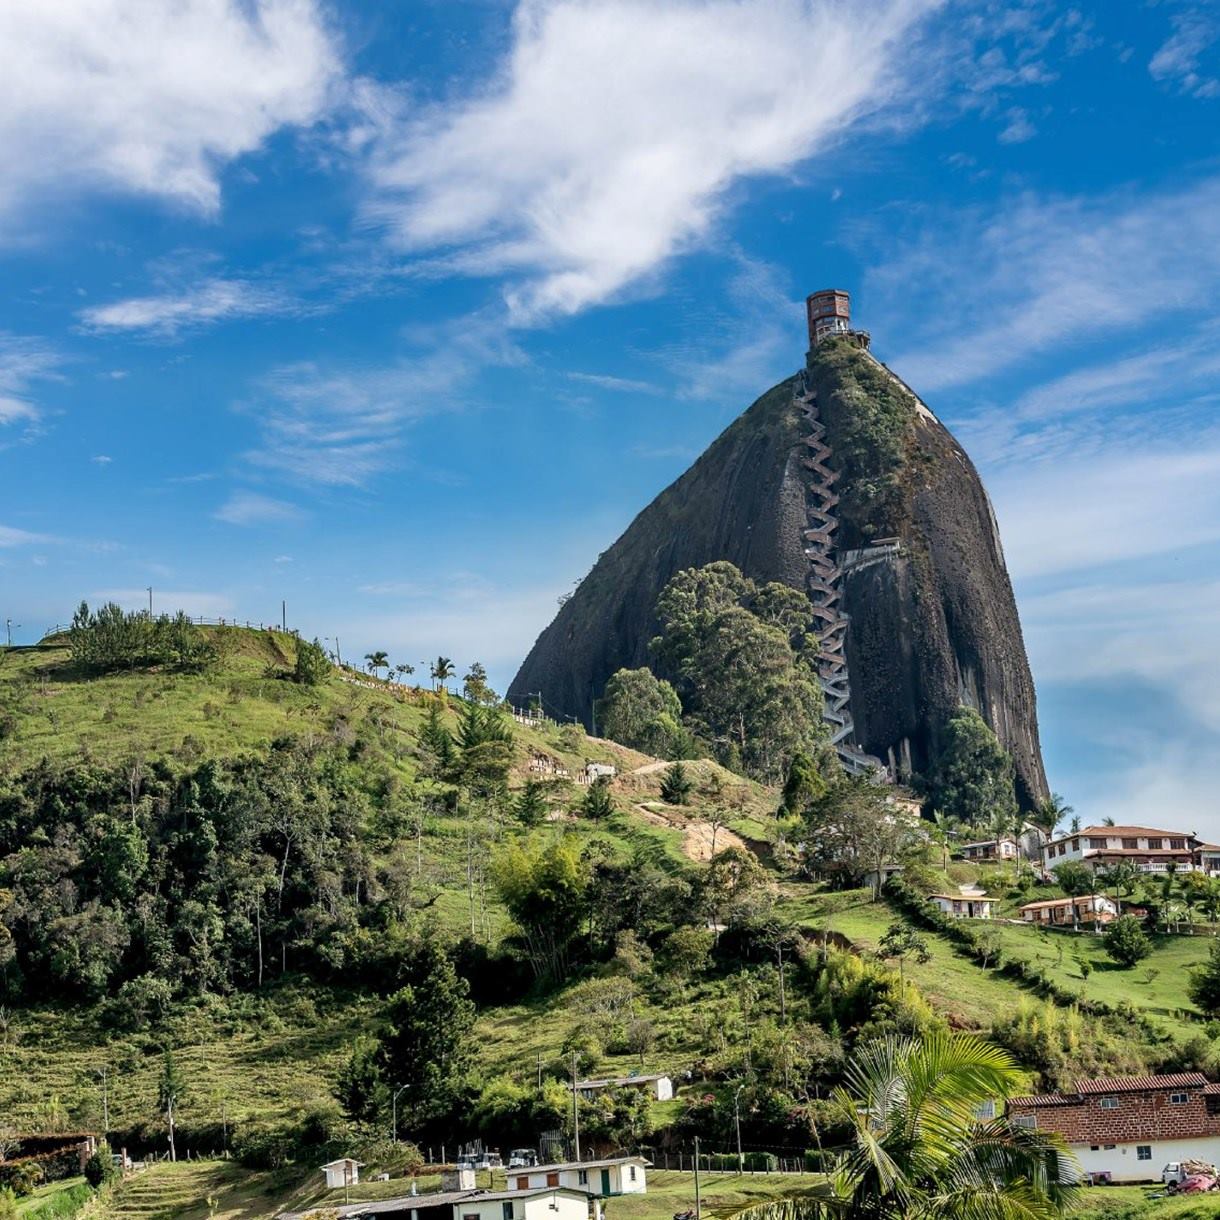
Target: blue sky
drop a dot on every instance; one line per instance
(401, 312)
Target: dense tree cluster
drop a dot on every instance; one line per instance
(111, 638)
(738, 655)
(135, 882)
(974, 780)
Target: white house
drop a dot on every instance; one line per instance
(969, 902)
(1152, 851)
(1127, 1128)
(596, 770)
(544, 1204)
(343, 1172)
(621, 1175)
(658, 1086)
(1070, 912)
(990, 849)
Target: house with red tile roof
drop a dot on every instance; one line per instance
(1151, 850)
(1127, 1128)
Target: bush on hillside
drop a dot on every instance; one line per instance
(110, 638)
(1126, 942)
(1204, 985)
(312, 663)
(100, 1168)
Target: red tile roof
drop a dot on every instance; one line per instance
(1137, 1084)
(1119, 1084)
(1125, 832)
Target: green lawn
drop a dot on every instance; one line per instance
(55, 1199)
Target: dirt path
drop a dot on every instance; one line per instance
(697, 834)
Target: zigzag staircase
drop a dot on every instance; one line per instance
(824, 585)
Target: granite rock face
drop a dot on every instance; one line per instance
(933, 622)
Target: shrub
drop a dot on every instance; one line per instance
(100, 1168)
(1126, 941)
(676, 785)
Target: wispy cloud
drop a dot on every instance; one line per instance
(999, 289)
(624, 385)
(252, 508)
(12, 537)
(23, 362)
(211, 300)
(1181, 59)
(96, 94)
(339, 427)
(608, 139)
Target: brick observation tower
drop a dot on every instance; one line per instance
(829, 314)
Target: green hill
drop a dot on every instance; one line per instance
(84, 759)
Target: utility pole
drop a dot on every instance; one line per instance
(698, 1201)
(105, 1100)
(8, 626)
(575, 1107)
(150, 601)
(741, 1162)
(284, 616)
(394, 1127)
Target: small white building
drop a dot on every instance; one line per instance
(1091, 909)
(343, 1172)
(990, 849)
(597, 770)
(969, 902)
(544, 1204)
(620, 1175)
(658, 1086)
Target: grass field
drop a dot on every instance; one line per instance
(183, 1191)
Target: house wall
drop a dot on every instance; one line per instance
(1143, 1116)
(622, 1181)
(557, 1206)
(1123, 1164)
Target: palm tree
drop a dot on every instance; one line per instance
(1122, 877)
(376, 660)
(442, 670)
(919, 1151)
(944, 827)
(403, 670)
(1050, 812)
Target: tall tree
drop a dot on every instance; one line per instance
(376, 661)
(170, 1091)
(640, 710)
(426, 1048)
(974, 775)
(442, 669)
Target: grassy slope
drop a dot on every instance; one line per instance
(274, 1054)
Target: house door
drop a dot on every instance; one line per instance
(552, 1179)
(605, 1181)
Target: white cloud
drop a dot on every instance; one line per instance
(1180, 59)
(153, 98)
(12, 537)
(997, 290)
(205, 605)
(102, 459)
(211, 300)
(251, 508)
(623, 385)
(341, 426)
(608, 140)
(1098, 508)
(23, 361)
(1018, 129)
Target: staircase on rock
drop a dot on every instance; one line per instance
(824, 586)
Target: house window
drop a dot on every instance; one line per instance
(1129, 845)
(1108, 1103)
(1027, 1121)
(1154, 845)
(1109, 1147)
(1143, 1152)
(1178, 1099)
(1097, 844)
(1177, 844)
(631, 1173)
(552, 1179)
(523, 1183)
(506, 1209)
(582, 1177)
(1094, 1147)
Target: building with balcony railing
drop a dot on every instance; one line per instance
(1150, 850)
